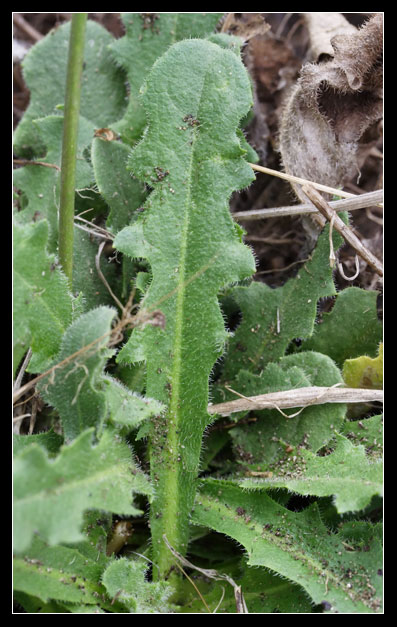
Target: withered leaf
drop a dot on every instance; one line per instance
(330, 117)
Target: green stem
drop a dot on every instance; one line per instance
(69, 143)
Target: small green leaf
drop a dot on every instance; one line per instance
(74, 388)
(351, 329)
(265, 441)
(125, 580)
(272, 318)
(50, 496)
(122, 192)
(128, 408)
(42, 303)
(364, 372)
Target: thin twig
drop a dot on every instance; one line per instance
(296, 179)
(351, 278)
(342, 228)
(43, 163)
(294, 263)
(212, 574)
(300, 397)
(144, 317)
(101, 276)
(347, 204)
(26, 28)
(22, 369)
(93, 232)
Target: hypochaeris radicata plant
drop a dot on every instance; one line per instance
(135, 490)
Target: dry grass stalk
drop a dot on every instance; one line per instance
(331, 215)
(301, 397)
(347, 204)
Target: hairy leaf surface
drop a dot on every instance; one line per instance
(74, 388)
(345, 473)
(194, 98)
(264, 442)
(272, 318)
(122, 192)
(125, 580)
(148, 36)
(50, 496)
(44, 69)
(42, 302)
(350, 329)
(334, 571)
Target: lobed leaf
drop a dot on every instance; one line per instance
(50, 496)
(74, 388)
(44, 70)
(346, 473)
(264, 443)
(194, 98)
(343, 575)
(272, 318)
(42, 302)
(148, 36)
(350, 329)
(125, 580)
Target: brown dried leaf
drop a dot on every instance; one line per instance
(322, 27)
(245, 25)
(334, 109)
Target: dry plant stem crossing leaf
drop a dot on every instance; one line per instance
(302, 181)
(301, 397)
(342, 228)
(347, 204)
(241, 606)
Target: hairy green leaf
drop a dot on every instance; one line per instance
(264, 442)
(125, 580)
(369, 433)
(42, 302)
(148, 36)
(127, 408)
(194, 98)
(40, 184)
(74, 388)
(351, 328)
(339, 571)
(58, 572)
(50, 496)
(49, 440)
(122, 192)
(44, 70)
(272, 318)
(345, 473)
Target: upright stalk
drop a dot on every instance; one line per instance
(69, 143)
